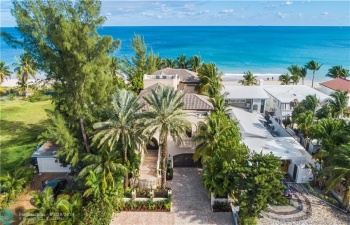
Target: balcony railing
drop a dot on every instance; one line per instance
(188, 143)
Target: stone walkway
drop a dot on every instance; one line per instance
(191, 205)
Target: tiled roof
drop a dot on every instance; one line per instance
(192, 101)
(337, 84)
(186, 76)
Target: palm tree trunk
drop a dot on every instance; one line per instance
(302, 79)
(126, 178)
(313, 76)
(81, 121)
(164, 161)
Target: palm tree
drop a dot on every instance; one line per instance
(249, 79)
(181, 61)
(284, 78)
(303, 73)
(117, 78)
(305, 122)
(210, 81)
(314, 66)
(338, 72)
(107, 164)
(311, 103)
(338, 103)
(220, 106)
(166, 117)
(65, 210)
(24, 69)
(339, 170)
(295, 72)
(168, 63)
(195, 63)
(121, 126)
(4, 71)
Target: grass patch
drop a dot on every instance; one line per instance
(21, 123)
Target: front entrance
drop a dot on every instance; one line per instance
(185, 160)
(284, 166)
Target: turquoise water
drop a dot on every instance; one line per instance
(236, 49)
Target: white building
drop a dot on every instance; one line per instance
(282, 98)
(294, 159)
(47, 162)
(252, 98)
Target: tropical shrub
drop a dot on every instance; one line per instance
(149, 205)
(38, 96)
(98, 212)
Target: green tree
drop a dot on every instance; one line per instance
(309, 103)
(305, 122)
(24, 69)
(295, 71)
(338, 103)
(4, 71)
(210, 81)
(65, 210)
(220, 105)
(338, 72)
(249, 79)
(115, 67)
(195, 62)
(182, 62)
(314, 66)
(168, 63)
(167, 118)
(141, 63)
(303, 73)
(285, 79)
(63, 40)
(339, 170)
(121, 126)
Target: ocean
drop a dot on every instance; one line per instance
(236, 49)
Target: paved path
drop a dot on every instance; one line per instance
(191, 205)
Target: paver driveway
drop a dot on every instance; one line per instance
(191, 204)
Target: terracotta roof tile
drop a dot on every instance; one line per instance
(337, 84)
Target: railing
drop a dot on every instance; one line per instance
(188, 143)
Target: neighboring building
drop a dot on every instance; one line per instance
(47, 162)
(183, 79)
(294, 159)
(252, 98)
(283, 98)
(196, 107)
(331, 86)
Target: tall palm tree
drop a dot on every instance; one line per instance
(285, 79)
(24, 69)
(249, 79)
(168, 63)
(338, 103)
(338, 72)
(220, 106)
(4, 71)
(314, 66)
(167, 118)
(295, 72)
(303, 73)
(195, 63)
(339, 170)
(305, 122)
(182, 63)
(311, 103)
(121, 126)
(210, 81)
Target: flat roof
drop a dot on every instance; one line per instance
(245, 92)
(287, 93)
(257, 138)
(47, 150)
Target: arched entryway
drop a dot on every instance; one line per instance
(185, 160)
(153, 145)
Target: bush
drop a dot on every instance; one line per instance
(149, 205)
(38, 96)
(98, 212)
(169, 173)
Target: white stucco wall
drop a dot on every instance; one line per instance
(51, 165)
(167, 80)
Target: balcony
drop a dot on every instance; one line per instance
(188, 143)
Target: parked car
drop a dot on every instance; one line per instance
(56, 185)
(287, 193)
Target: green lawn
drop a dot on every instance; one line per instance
(20, 124)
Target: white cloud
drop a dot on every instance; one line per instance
(324, 14)
(227, 11)
(288, 3)
(108, 14)
(147, 14)
(300, 15)
(282, 15)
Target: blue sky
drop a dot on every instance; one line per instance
(235, 13)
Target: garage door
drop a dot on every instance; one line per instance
(185, 160)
